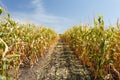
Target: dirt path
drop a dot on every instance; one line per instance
(59, 64)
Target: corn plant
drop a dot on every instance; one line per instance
(97, 47)
(21, 45)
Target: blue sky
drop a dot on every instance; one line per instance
(62, 14)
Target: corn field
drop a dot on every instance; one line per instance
(97, 47)
(21, 45)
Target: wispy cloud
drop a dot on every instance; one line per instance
(38, 4)
(41, 17)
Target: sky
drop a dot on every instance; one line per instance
(62, 14)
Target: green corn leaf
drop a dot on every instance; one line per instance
(111, 62)
(5, 66)
(1, 10)
(4, 59)
(2, 77)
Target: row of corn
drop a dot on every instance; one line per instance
(97, 47)
(21, 45)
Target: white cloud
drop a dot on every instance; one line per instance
(40, 16)
(38, 4)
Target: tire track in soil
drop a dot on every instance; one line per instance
(59, 64)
